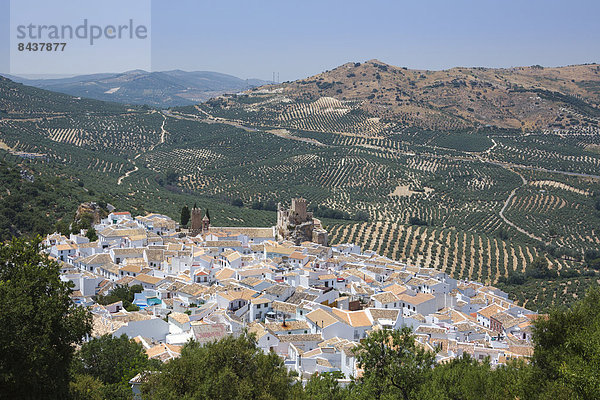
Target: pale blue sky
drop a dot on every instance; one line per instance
(301, 38)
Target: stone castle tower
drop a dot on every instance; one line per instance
(299, 209)
(200, 224)
(298, 225)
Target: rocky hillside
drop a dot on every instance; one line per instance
(529, 98)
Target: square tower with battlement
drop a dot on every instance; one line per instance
(298, 209)
(298, 225)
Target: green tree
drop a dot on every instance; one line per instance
(231, 368)
(123, 293)
(325, 386)
(171, 177)
(112, 360)
(539, 268)
(185, 215)
(86, 387)
(63, 227)
(567, 349)
(592, 258)
(39, 323)
(394, 365)
(85, 222)
(237, 202)
(91, 234)
(467, 378)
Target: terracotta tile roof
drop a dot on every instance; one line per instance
(383, 313)
(250, 232)
(327, 277)
(385, 297)
(96, 259)
(153, 280)
(417, 299)
(302, 337)
(258, 329)
(180, 317)
(260, 300)
(324, 362)
(289, 326)
(322, 318)
(131, 268)
(223, 243)
(192, 289)
(490, 310)
(396, 289)
(522, 351)
(508, 320)
(225, 273)
(171, 350)
(296, 255)
(126, 280)
(154, 255)
(121, 232)
(244, 294)
(128, 251)
(353, 318)
(430, 329)
(66, 246)
(284, 307)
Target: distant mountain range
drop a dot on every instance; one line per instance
(158, 89)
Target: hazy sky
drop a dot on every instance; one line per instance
(301, 38)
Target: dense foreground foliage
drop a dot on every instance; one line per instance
(39, 326)
(232, 368)
(103, 367)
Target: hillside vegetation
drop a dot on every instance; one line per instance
(31, 203)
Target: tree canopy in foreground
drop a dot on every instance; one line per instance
(232, 368)
(39, 323)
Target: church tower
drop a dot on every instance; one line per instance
(206, 222)
(200, 224)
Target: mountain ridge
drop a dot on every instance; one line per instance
(158, 89)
